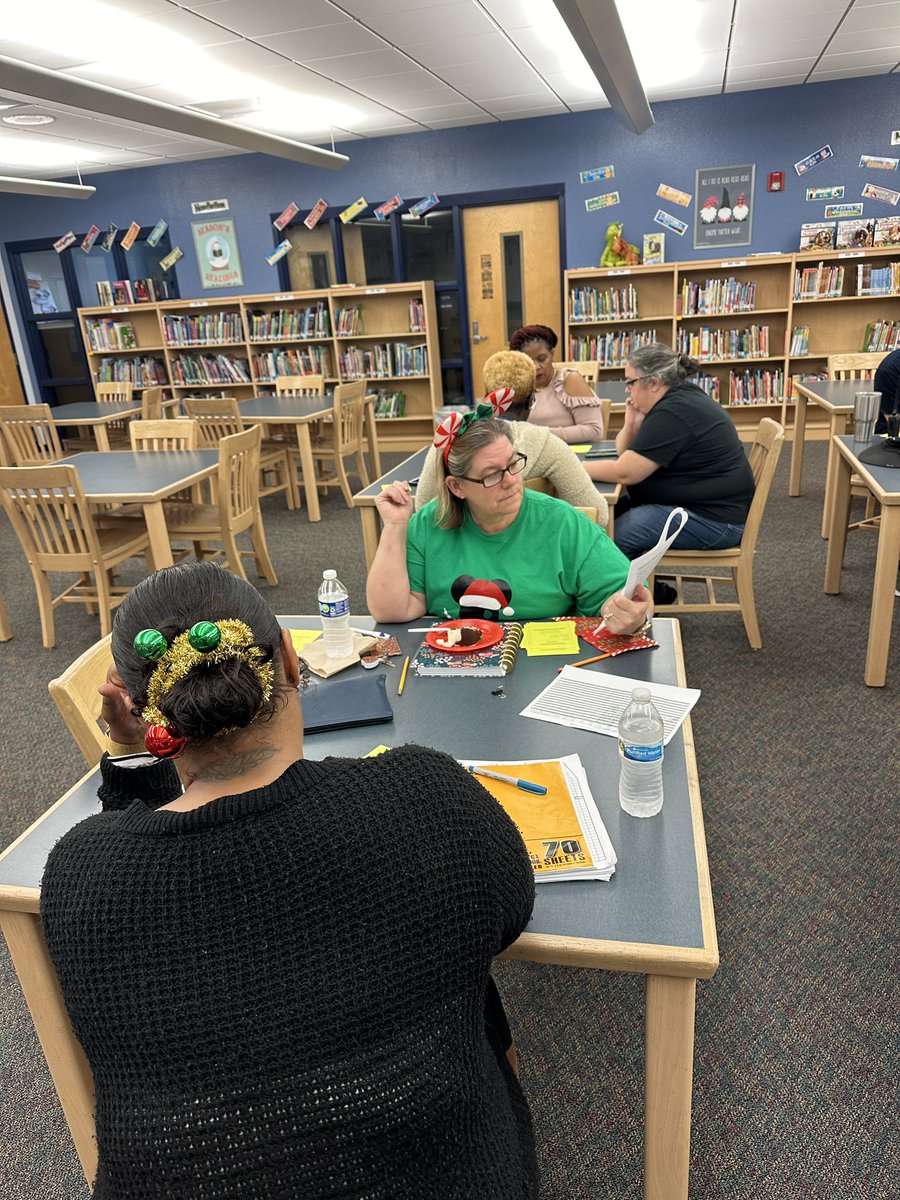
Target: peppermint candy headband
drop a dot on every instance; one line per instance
(455, 424)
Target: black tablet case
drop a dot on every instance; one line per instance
(344, 703)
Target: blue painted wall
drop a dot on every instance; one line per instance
(772, 128)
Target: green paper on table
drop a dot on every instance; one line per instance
(550, 637)
(300, 638)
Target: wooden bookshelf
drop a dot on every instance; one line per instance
(240, 345)
(738, 316)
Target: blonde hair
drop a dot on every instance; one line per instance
(510, 368)
(451, 510)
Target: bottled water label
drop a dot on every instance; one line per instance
(641, 753)
(335, 608)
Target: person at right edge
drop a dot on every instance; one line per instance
(887, 381)
(677, 447)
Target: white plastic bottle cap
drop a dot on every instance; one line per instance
(641, 695)
(329, 574)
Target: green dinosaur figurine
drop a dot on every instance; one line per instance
(618, 252)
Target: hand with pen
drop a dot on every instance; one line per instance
(621, 615)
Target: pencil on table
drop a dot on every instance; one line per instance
(586, 661)
(402, 682)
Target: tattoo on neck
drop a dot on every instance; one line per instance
(230, 766)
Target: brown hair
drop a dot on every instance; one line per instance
(533, 333)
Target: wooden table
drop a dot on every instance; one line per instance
(410, 469)
(144, 477)
(655, 917)
(98, 417)
(302, 411)
(884, 484)
(836, 397)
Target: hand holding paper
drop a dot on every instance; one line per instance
(645, 564)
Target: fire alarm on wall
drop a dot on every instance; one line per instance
(776, 181)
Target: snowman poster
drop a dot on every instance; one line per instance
(723, 214)
(218, 260)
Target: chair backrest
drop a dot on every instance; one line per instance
(587, 369)
(51, 518)
(238, 479)
(763, 456)
(592, 514)
(151, 404)
(29, 435)
(76, 697)
(175, 434)
(539, 483)
(300, 385)
(214, 418)
(113, 392)
(853, 366)
(605, 410)
(348, 415)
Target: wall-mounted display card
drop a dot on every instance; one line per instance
(596, 202)
(130, 236)
(218, 258)
(89, 238)
(354, 209)
(199, 207)
(813, 160)
(817, 235)
(654, 249)
(286, 217)
(725, 218)
(315, 214)
(825, 193)
(886, 195)
(876, 162)
(843, 210)
(167, 263)
(383, 211)
(156, 232)
(106, 242)
(278, 253)
(66, 240)
(424, 205)
(669, 222)
(673, 195)
(854, 234)
(887, 231)
(593, 174)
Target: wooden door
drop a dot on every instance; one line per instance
(10, 384)
(513, 274)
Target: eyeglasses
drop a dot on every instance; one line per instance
(637, 379)
(516, 467)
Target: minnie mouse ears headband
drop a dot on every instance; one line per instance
(455, 424)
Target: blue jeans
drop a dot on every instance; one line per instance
(638, 529)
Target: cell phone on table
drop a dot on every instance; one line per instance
(602, 452)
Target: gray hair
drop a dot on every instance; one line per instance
(451, 511)
(661, 362)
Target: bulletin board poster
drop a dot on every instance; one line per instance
(723, 207)
(218, 258)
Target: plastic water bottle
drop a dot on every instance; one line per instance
(334, 608)
(641, 733)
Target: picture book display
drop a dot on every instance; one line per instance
(491, 662)
(562, 830)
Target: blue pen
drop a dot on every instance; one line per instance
(523, 784)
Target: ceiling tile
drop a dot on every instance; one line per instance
(351, 68)
(749, 51)
(514, 14)
(262, 18)
(53, 60)
(191, 27)
(773, 10)
(450, 51)
(583, 87)
(587, 105)
(248, 56)
(543, 99)
(327, 41)
(466, 121)
(823, 73)
(472, 80)
(444, 112)
(709, 89)
(875, 16)
(365, 10)
(753, 85)
(771, 70)
(887, 41)
(878, 60)
(407, 90)
(419, 24)
(521, 114)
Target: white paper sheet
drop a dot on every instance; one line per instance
(642, 568)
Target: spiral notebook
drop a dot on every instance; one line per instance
(492, 663)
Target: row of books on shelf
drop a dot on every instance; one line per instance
(715, 296)
(144, 372)
(190, 369)
(610, 304)
(878, 281)
(799, 340)
(305, 360)
(820, 282)
(608, 349)
(803, 377)
(111, 335)
(198, 329)
(313, 321)
(383, 361)
(704, 342)
(390, 404)
(755, 387)
(348, 322)
(881, 335)
(113, 292)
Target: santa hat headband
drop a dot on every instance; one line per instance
(455, 424)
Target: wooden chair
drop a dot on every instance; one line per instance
(5, 627)
(857, 366)
(342, 436)
(236, 510)
(221, 417)
(300, 385)
(29, 435)
(589, 370)
(592, 514)
(738, 561)
(117, 431)
(164, 434)
(58, 532)
(75, 695)
(151, 404)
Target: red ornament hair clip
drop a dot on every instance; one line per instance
(161, 742)
(454, 424)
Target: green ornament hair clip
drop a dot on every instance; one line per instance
(150, 644)
(204, 636)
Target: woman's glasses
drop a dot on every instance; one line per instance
(637, 379)
(516, 467)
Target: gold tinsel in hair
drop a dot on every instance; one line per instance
(181, 658)
(510, 368)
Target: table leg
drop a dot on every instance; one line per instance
(799, 445)
(101, 436)
(668, 1069)
(308, 466)
(838, 426)
(6, 628)
(160, 546)
(837, 516)
(62, 1050)
(886, 562)
(372, 439)
(368, 517)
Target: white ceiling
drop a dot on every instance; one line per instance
(352, 69)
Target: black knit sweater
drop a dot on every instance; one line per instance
(281, 993)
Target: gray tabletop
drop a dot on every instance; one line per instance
(837, 392)
(887, 478)
(285, 408)
(88, 411)
(139, 475)
(653, 896)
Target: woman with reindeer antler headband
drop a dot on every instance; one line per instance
(487, 547)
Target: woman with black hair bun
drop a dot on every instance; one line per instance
(279, 969)
(564, 400)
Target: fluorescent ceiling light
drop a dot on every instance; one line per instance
(662, 60)
(46, 187)
(41, 152)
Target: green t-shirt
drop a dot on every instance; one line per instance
(555, 560)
